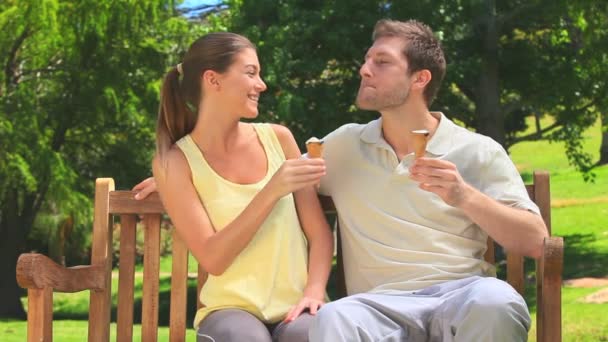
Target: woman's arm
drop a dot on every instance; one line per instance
(215, 251)
(317, 231)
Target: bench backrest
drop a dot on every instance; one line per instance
(110, 203)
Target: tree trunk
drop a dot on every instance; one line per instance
(11, 244)
(15, 224)
(604, 147)
(10, 292)
(490, 119)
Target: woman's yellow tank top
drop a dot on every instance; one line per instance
(269, 275)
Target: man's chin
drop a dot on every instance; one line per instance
(363, 105)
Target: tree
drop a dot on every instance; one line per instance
(511, 60)
(506, 61)
(79, 90)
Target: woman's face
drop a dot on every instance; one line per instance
(241, 85)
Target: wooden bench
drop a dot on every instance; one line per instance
(41, 276)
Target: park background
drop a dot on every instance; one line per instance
(79, 89)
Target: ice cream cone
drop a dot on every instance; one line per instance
(314, 147)
(420, 139)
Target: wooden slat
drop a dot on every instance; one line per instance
(328, 206)
(179, 290)
(530, 189)
(540, 313)
(149, 320)
(340, 277)
(549, 277)
(542, 196)
(126, 278)
(101, 300)
(515, 271)
(40, 315)
(124, 202)
(200, 281)
(37, 271)
(490, 255)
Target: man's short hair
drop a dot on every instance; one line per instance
(422, 50)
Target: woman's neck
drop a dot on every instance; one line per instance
(218, 133)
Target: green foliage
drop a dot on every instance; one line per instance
(79, 93)
(507, 61)
(79, 97)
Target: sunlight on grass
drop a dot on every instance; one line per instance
(579, 214)
(550, 155)
(75, 331)
(580, 321)
(591, 219)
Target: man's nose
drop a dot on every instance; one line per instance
(364, 71)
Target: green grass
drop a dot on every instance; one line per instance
(581, 322)
(585, 232)
(579, 214)
(548, 155)
(74, 331)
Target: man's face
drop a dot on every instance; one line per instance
(384, 76)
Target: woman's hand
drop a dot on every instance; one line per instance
(312, 304)
(296, 174)
(144, 188)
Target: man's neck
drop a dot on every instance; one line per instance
(398, 124)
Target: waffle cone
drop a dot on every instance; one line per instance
(314, 149)
(420, 139)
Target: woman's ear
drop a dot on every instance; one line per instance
(211, 80)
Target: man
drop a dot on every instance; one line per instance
(414, 231)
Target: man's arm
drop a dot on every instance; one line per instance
(515, 229)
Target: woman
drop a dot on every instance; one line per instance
(234, 191)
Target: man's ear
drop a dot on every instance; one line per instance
(211, 79)
(422, 78)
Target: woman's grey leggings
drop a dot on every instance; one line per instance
(233, 325)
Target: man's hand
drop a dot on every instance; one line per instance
(442, 178)
(144, 188)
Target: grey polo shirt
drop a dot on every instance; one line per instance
(396, 236)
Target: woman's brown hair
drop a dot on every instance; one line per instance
(181, 89)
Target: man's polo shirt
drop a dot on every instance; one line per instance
(396, 236)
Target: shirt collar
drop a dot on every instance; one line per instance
(372, 132)
(439, 144)
(441, 141)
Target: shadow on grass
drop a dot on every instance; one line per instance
(582, 259)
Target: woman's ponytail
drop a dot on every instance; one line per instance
(175, 118)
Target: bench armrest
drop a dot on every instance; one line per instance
(36, 271)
